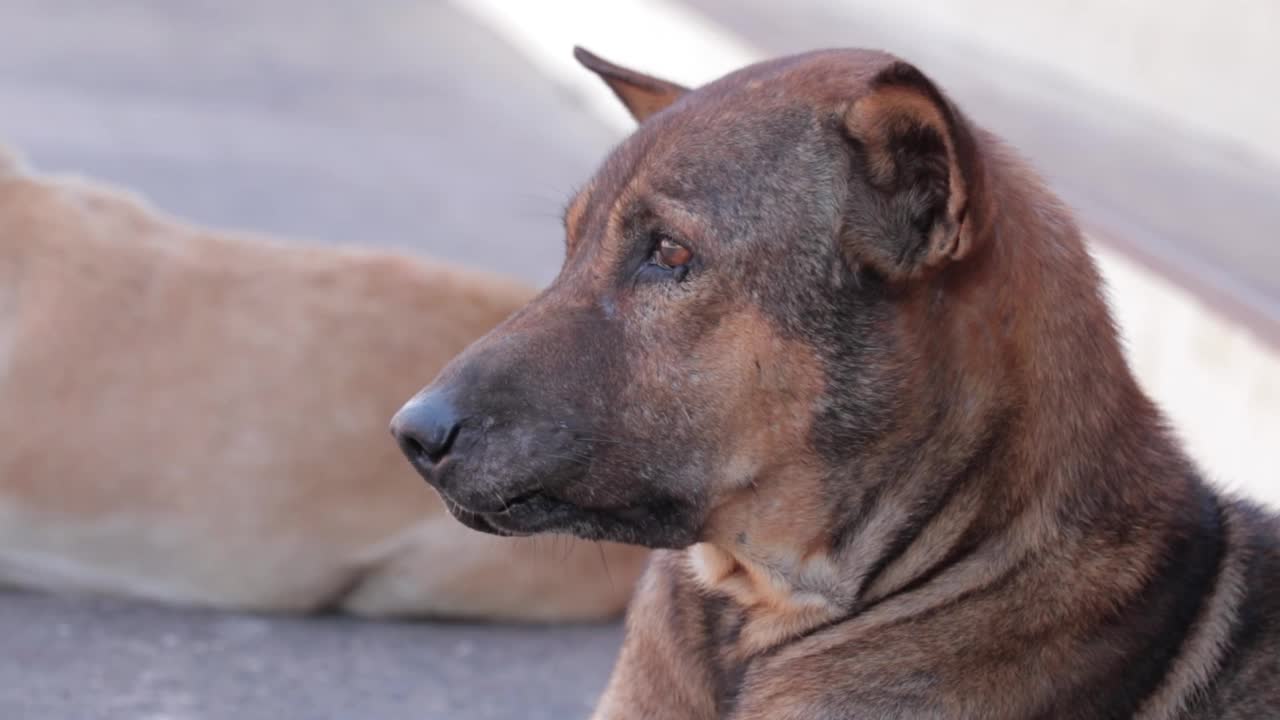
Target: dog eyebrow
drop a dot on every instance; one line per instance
(678, 213)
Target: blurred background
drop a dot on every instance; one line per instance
(460, 128)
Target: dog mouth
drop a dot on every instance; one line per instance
(529, 513)
(662, 524)
(559, 501)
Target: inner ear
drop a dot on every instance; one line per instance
(915, 168)
(643, 95)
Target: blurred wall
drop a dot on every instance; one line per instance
(1209, 65)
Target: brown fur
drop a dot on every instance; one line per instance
(880, 428)
(198, 417)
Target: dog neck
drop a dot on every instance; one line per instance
(1053, 443)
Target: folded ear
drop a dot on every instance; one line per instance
(642, 94)
(915, 173)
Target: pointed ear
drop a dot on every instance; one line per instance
(642, 94)
(917, 177)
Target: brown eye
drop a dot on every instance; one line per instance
(671, 254)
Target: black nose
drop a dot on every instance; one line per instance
(426, 428)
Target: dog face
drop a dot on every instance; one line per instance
(739, 318)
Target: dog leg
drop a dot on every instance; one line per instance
(662, 670)
(432, 569)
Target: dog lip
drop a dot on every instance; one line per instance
(537, 513)
(477, 521)
(533, 512)
(521, 499)
(499, 505)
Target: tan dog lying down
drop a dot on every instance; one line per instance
(199, 418)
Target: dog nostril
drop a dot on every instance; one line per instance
(432, 449)
(440, 445)
(413, 448)
(426, 429)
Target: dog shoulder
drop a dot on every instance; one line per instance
(44, 210)
(10, 162)
(434, 283)
(1248, 684)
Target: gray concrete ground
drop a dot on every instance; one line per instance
(397, 123)
(80, 659)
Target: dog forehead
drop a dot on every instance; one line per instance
(755, 108)
(819, 77)
(743, 132)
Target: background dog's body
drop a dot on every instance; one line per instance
(198, 418)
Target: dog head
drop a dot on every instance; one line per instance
(750, 284)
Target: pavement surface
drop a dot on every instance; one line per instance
(399, 123)
(83, 659)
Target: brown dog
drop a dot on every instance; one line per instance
(846, 358)
(199, 418)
